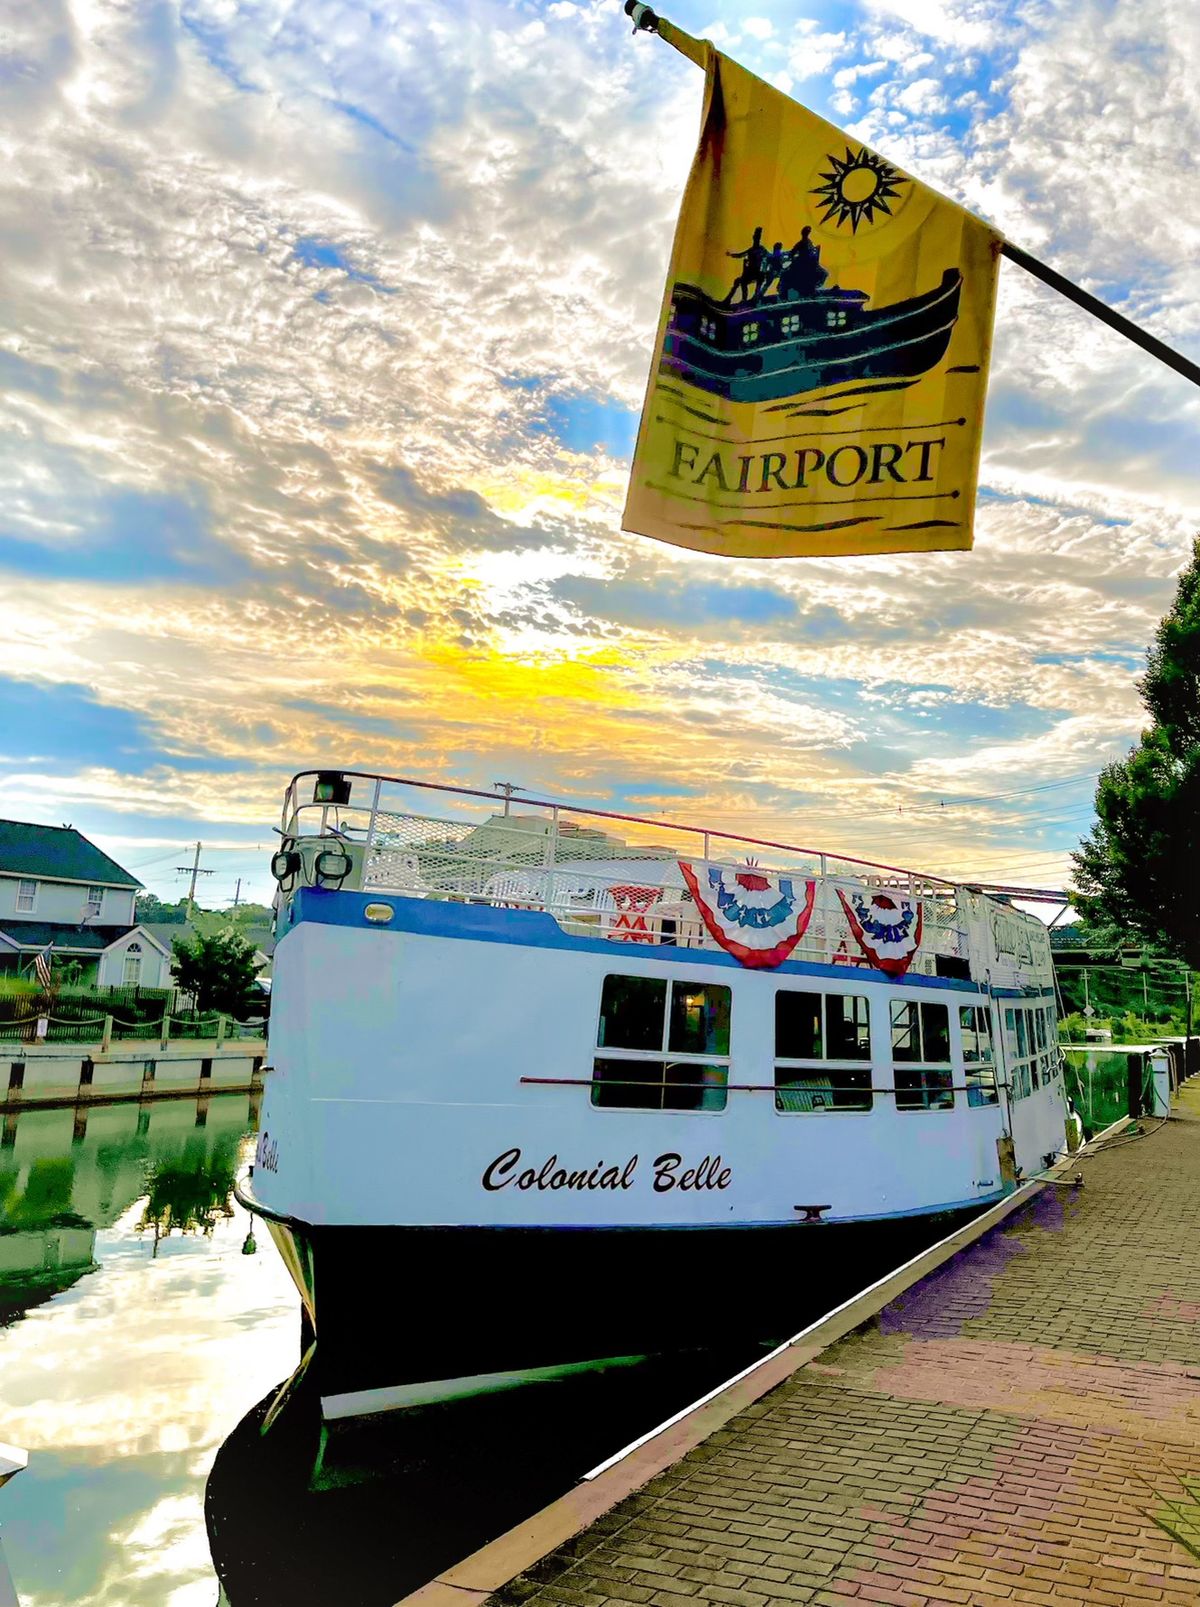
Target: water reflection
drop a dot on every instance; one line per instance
(136, 1340)
(133, 1335)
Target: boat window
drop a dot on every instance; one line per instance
(978, 1059)
(1052, 1055)
(847, 1019)
(666, 1045)
(699, 1019)
(798, 1034)
(659, 1085)
(818, 1039)
(921, 1055)
(631, 1013)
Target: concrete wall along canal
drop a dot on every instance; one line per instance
(1013, 1420)
(56, 1073)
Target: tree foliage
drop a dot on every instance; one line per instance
(218, 971)
(1136, 868)
(150, 908)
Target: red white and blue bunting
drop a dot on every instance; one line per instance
(758, 919)
(886, 927)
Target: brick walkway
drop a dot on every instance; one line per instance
(1021, 1427)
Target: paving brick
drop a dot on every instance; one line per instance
(1021, 1429)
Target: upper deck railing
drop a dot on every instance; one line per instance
(597, 872)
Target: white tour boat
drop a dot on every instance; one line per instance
(554, 1086)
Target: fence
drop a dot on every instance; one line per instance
(68, 1021)
(597, 873)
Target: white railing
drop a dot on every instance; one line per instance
(598, 873)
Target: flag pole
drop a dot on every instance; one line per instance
(646, 20)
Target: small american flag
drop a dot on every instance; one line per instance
(41, 965)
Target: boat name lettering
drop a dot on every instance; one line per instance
(506, 1169)
(503, 1171)
(710, 1174)
(757, 472)
(266, 1155)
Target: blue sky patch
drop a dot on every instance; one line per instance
(314, 252)
(65, 728)
(588, 424)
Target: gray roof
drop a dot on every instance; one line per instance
(57, 853)
(35, 935)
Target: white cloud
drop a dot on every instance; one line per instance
(253, 264)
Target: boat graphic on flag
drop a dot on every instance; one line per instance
(886, 926)
(818, 381)
(758, 919)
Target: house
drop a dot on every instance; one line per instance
(59, 891)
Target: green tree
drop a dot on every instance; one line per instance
(1135, 870)
(250, 915)
(218, 971)
(149, 908)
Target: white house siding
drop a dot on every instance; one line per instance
(155, 970)
(65, 901)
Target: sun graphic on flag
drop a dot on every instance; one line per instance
(857, 188)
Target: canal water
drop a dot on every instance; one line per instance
(142, 1341)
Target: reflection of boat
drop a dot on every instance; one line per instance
(779, 347)
(559, 1113)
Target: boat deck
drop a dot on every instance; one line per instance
(1022, 1426)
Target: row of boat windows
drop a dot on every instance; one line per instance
(789, 324)
(822, 1049)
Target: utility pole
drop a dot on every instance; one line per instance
(193, 870)
(507, 788)
(237, 894)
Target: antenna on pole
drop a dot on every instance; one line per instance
(507, 788)
(193, 870)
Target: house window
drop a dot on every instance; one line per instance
(921, 1055)
(822, 1052)
(666, 1045)
(133, 966)
(749, 334)
(978, 1060)
(95, 901)
(16, 1076)
(26, 897)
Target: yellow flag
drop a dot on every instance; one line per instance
(818, 383)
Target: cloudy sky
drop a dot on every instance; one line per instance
(324, 330)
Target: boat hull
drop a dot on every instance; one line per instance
(406, 1316)
(898, 342)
